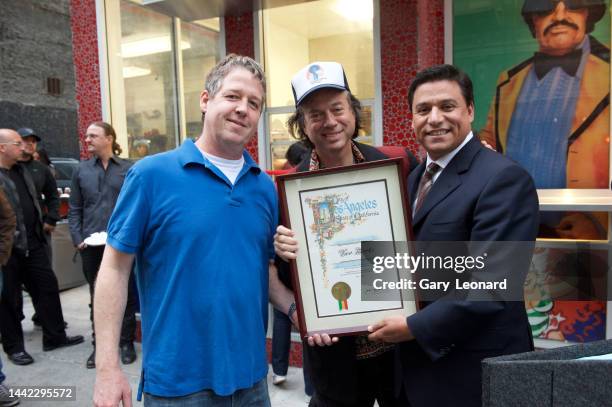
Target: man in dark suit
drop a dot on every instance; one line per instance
(462, 192)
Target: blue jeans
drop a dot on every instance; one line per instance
(256, 396)
(281, 344)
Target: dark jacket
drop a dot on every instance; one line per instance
(46, 186)
(483, 197)
(21, 239)
(8, 223)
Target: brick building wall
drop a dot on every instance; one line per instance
(36, 44)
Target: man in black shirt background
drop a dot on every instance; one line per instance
(95, 188)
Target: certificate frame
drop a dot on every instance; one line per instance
(306, 208)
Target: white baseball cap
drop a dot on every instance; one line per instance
(318, 75)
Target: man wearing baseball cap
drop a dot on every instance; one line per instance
(354, 371)
(46, 190)
(44, 181)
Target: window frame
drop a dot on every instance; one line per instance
(112, 89)
(264, 144)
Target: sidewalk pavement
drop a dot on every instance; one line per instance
(66, 366)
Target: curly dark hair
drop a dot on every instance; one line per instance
(296, 124)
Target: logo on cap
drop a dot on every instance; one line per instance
(315, 74)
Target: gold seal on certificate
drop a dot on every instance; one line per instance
(341, 291)
(332, 211)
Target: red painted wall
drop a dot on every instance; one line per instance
(86, 65)
(411, 38)
(431, 32)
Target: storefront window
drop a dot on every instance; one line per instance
(198, 60)
(149, 80)
(326, 30)
(156, 70)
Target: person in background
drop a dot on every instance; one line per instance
(46, 187)
(281, 330)
(8, 223)
(295, 154)
(44, 180)
(94, 190)
(29, 262)
(140, 148)
(42, 155)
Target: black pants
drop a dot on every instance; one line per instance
(92, 257)
(281, 346)
(35, 272)
(375, 384)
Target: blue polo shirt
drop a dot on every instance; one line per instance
(202, 248)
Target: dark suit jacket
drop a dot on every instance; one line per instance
(8, 222)
(480, 196)
(45, 185)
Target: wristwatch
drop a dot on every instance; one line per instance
(291, 310)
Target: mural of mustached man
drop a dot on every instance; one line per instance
(550, 112)
(541, 70)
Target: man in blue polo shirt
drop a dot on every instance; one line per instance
(199, 220)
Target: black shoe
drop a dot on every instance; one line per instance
(21, 358)
(6, 398)
(91, 360)
(128, 353)
(67, 341)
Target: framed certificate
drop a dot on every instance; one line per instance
(332, 211)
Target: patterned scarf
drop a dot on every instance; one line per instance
(315, 164)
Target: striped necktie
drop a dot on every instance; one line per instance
(425, 184)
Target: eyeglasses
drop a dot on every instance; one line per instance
(15, 143)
